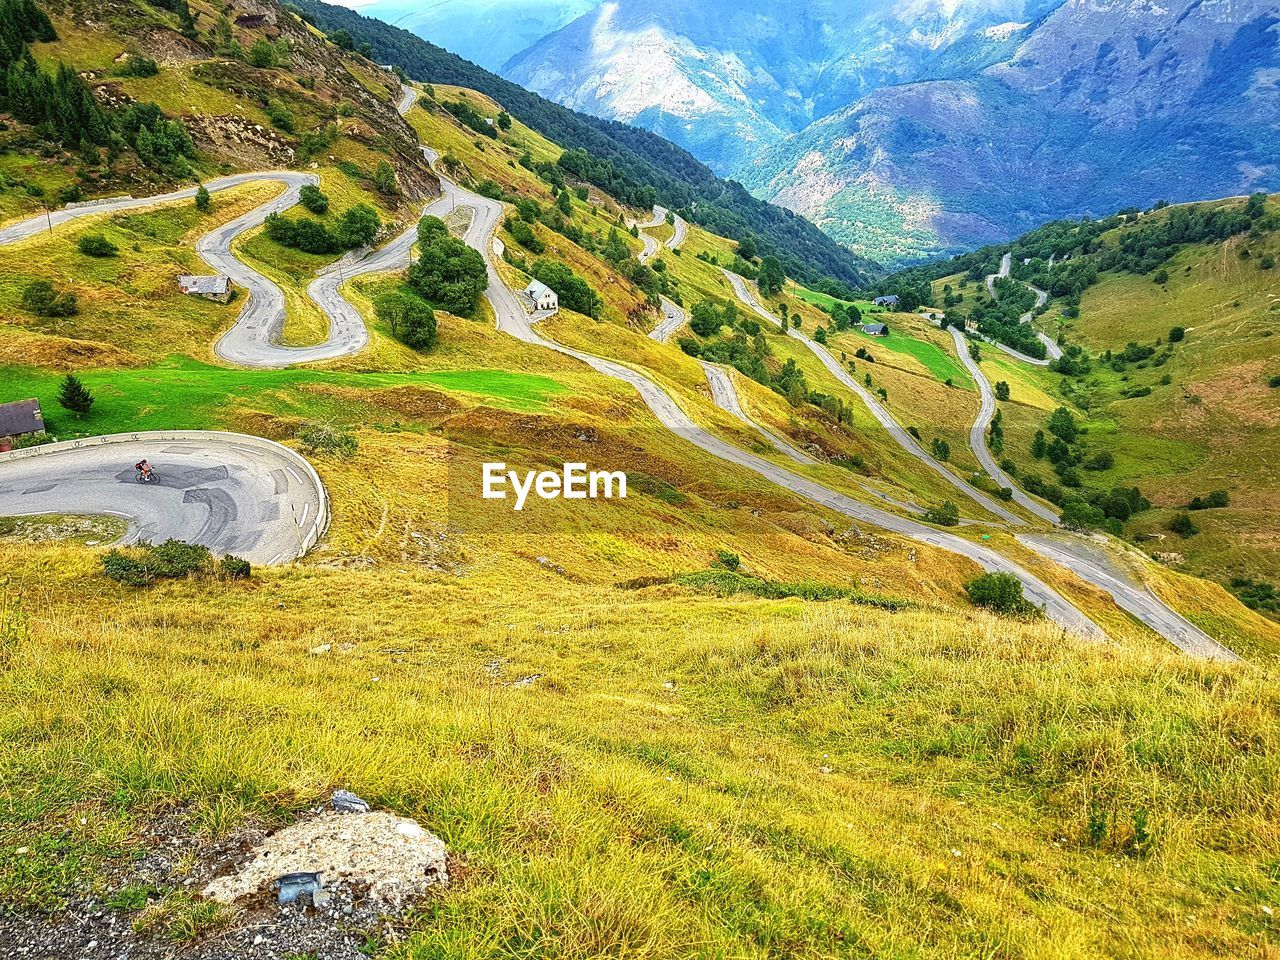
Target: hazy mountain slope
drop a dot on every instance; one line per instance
(725, 79)
(487, 32)
(641, 167)
(1106, 104)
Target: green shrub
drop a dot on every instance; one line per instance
(136, 65)
(172, 560)
(726, 560)
(42, 298)
(1001, 592)
(235, 568)
(281, 117)
(1184, 526)
(314, 199)
(946, 514)
(96, 245)
(729, 582)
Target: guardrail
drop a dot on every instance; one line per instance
(308, 539)
(100, 201)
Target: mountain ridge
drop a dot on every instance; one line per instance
(631, 159)
(1057, 109)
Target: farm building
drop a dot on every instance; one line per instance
(541, 296)
(890, 301)
(875, 329)
(21, 418)
(211, 288)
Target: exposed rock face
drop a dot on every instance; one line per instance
(250, 144)
(909, 128)
(1107, 104)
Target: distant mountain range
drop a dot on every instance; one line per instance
(915, 128)
(486, 32)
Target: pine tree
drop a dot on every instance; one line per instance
(202, 199)
(75, 396)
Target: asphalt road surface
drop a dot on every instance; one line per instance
(234, 494)
(1091, 567)
(885, 419)
(1051, 347)
(1136, 599)
(681, 231)
(725, 396)
(513, 320)
(978, 434)
(673, 318)
(651, 245)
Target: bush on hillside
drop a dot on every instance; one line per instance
(1000, 592)
(325, 438)
(96, 245)
(411, 319)
(314, 199)
(172, 560)
(946, 514)
(42, 298)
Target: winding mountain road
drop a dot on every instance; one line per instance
(230, 492)
(673, 318)
(680, 232)
(512, 319)
(1052, 350)
(978, 434)
(651, 245)
(877, 410)
(725, 396)
(1138, 600)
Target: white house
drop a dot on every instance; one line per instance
(211, 288)
(541, 296)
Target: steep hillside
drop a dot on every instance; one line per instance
(767, 704)
(486, 32)
(1101, 106)
(1171, 368)
(252, 90)
(730, 80)
(910, 130)
(633, 164)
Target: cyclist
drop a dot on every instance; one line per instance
(144, 468)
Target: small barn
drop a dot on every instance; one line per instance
(890, 301)
(216, 287)
(21, 418)
(875, 329)
(541, 296)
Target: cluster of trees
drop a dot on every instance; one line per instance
(45, 300)
(1001, 319)
(467, 115)
(1080, 253)
(161, 144)
(62, 107)
(573, 292)
(1082, 507)
(448, 274)
(411, 319)
(631, 164)
(357, 227)
(1152, 244)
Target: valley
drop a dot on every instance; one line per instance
(621, 718)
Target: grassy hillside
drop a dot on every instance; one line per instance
(639, 167)
(1174, 372)
(712, 720)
